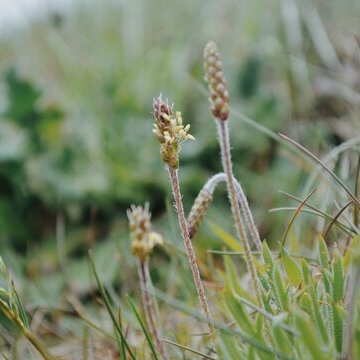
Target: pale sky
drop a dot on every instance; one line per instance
(18, 13)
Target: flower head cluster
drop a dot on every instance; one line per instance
(214, 75)
(143, 239)
(169, 130)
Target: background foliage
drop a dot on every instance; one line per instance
(76, 147)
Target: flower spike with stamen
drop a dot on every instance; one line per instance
(143, 240)
(170, 132)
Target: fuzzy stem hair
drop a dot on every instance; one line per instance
(223, 132)
(174, 179)
(149, 309)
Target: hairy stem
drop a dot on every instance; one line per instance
(173, 173)
(223, 131)
(209, 187)
(351, 303)
(149, 308)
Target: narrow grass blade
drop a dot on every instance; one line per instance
(334, 220)
(204, 356)
(222, 327)
(296, 214)
(108, 306)
(145, 331)
(227, 238)
(330, 172)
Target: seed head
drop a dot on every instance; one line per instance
(169, 130)
(214, 75)
(198, 210)
(143, 239)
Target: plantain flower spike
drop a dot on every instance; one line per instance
(143, 239)
(198, 211)
(214, 75)
(170, 131)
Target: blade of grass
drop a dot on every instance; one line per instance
(204, 356)
(317, 211)
(357, 193)
(80, 312)
(327, 231)
(108, 306)
(145, 331)
(349, 144)
(220, 326)
(319, 162)
(121, 343)
(296, 214)
(239, 253)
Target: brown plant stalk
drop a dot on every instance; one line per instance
(171, 132)
(143, 240)
(219, 99)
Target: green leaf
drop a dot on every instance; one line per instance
(144, 330)
(281, 338)
(227, 348)
(317, 314)
(227, 238)
(323, 253)
(338, 325)
(268, 259)
(338, 277)
(280, 292)
(307, 336)
(239, 312)
(306, 272)
(233, 282)
(291, 268)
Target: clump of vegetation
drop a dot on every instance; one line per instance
(288, 303)
(298, 307)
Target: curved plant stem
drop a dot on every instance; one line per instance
(223, 131)
(210, 186)
(248, 215)
(149, 308)
(173, 173)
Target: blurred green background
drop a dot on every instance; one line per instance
(76, 147)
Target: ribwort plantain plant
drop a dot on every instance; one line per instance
(219, 99)
(143, 240)
(171, 133)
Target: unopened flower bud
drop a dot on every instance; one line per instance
(214, 74)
